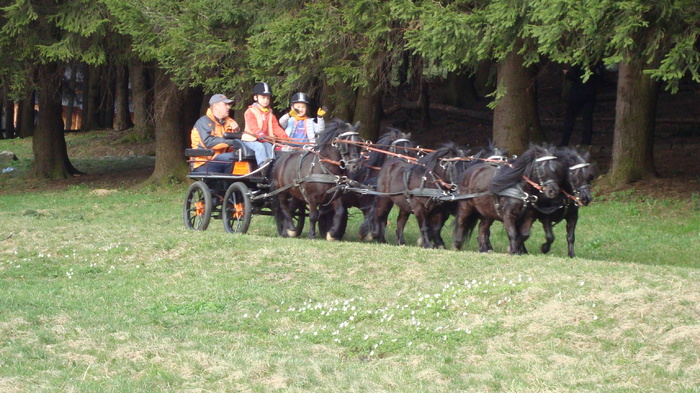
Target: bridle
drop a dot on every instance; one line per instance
(577, 190)
(540, 164)
(342, 142)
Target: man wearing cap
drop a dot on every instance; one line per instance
(208, 133)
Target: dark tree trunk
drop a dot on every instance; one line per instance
(459, 90)
(49, 143)
(25, 123)
(107, 89)
(69, 93)
(91, 102)
(142, 100)
(192, 102)
(368, 111)
(9, 110)
(122, 116)
(633, 144)
(426, 120)
(170, 138)
(515, 121)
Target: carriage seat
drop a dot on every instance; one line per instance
(241, 152)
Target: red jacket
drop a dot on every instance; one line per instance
(259, 123)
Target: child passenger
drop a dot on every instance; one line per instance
(300, 128)
(261, 125)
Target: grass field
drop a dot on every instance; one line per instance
(103, 290)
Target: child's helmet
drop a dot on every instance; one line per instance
(300, 97)
(262, 88)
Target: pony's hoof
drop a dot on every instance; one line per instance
(330, 238)
(419, 242)
(368, 238)
(292, 233)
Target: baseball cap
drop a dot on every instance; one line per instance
(219, 98)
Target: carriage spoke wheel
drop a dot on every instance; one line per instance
(298, 218)
(198, 205)
(237, 210)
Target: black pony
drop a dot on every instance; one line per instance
(314, 177)
(414, 188)
(439, 217)
(394, 144)
(576, 192)
(506, 193)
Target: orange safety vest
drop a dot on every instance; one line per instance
(208, 125)
(249, 135)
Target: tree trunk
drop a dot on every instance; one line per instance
(49, 143)
(107, 89)
(191, 111)
(368, 111)
(170, 138)
(69, 93)
(633, 141)
(515, 121)
(122, 116)
(141, 100)
(9, 110)
(91, 101)
(426, 120)
(459, 90)
(25, 122)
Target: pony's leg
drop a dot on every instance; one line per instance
(424, 226)
(548, 235)
(512, 232)
(436, 222)
(313, 219)
(462, 221)
(288, 226)
(571, 220)
(382, 208)
(339, 214)
(524, 230)
(485, 235)
(401, 221)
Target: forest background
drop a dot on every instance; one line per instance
(494, 64)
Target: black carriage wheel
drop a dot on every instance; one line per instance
(237, 210)
(298, 218)
(198, 205)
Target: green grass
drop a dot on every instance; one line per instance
(107, 291)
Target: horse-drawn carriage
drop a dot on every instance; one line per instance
(343, 171)
(285, 188)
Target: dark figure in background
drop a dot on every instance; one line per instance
(581, 100)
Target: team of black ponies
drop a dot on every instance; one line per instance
(476, 186)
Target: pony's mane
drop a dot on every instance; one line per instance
(334, 127)
(509, 176)
(448, 149)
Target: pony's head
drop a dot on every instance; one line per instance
(548, 171)
(580, 175)
(394, 141)
(345, 138)
(537, 164)
(440, 161)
